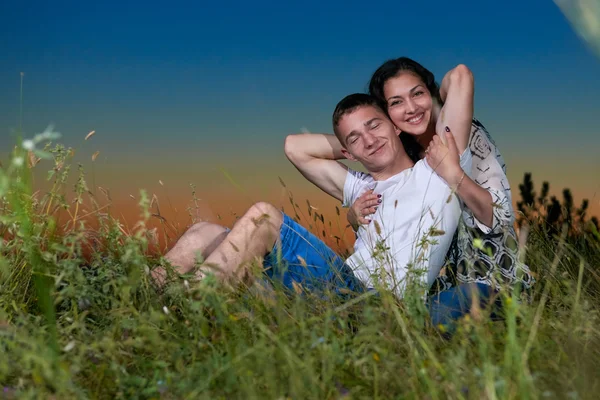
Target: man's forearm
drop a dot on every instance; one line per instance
(313, 145)
(315, 155)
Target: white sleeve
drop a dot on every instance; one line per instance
(489, 172)
(356, 183)
(490, 176)
(466, 162)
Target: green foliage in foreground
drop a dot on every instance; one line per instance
(94, 327)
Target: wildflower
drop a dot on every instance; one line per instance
(70, 346)
(28, 144)
(48, 134)
(18, 162)
(165, 310)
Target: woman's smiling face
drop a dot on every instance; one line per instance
(409, 103)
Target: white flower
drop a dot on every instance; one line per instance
(18, 161)
(166, 310)
(70, 346)
(28, 144)
(48, 134)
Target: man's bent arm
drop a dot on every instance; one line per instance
(315, 155)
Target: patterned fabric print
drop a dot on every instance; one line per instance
(495, 260)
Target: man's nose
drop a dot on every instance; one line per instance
(370, 139)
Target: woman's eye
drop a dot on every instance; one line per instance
(419, 93)
(394, 102)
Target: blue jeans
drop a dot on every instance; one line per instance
(448, 306)
(301, 257)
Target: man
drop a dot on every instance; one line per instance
(412, 228)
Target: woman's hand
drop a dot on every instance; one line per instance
(364, 206)
(444, 158)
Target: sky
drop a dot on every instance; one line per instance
(205, 92)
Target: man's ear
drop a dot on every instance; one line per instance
(348, 155)
(397, 130)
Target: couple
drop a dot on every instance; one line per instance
(432, 170)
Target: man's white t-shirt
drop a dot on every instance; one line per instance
(411, 229)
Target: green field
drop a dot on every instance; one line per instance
(95, 327)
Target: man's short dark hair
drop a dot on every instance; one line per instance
(348, 105)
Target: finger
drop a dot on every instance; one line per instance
(372, 197)
(436, 140)
(370, 210)
(366, 203)
(373, 200)
(363, 221)
(372, 203)
(366, 194)
(451, 142)
(358, 203)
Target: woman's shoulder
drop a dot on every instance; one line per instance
(478, 128)
(481, 142)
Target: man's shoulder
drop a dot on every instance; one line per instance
(359, 176)
(355, 185)
(425, 178)
(421, 167)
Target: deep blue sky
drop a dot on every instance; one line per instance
(205, 78)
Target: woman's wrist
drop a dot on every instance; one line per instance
(454, 177)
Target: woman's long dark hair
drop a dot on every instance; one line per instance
(390, 69)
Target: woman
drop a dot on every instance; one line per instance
(483, 256)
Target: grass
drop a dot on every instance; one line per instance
(80, 318)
